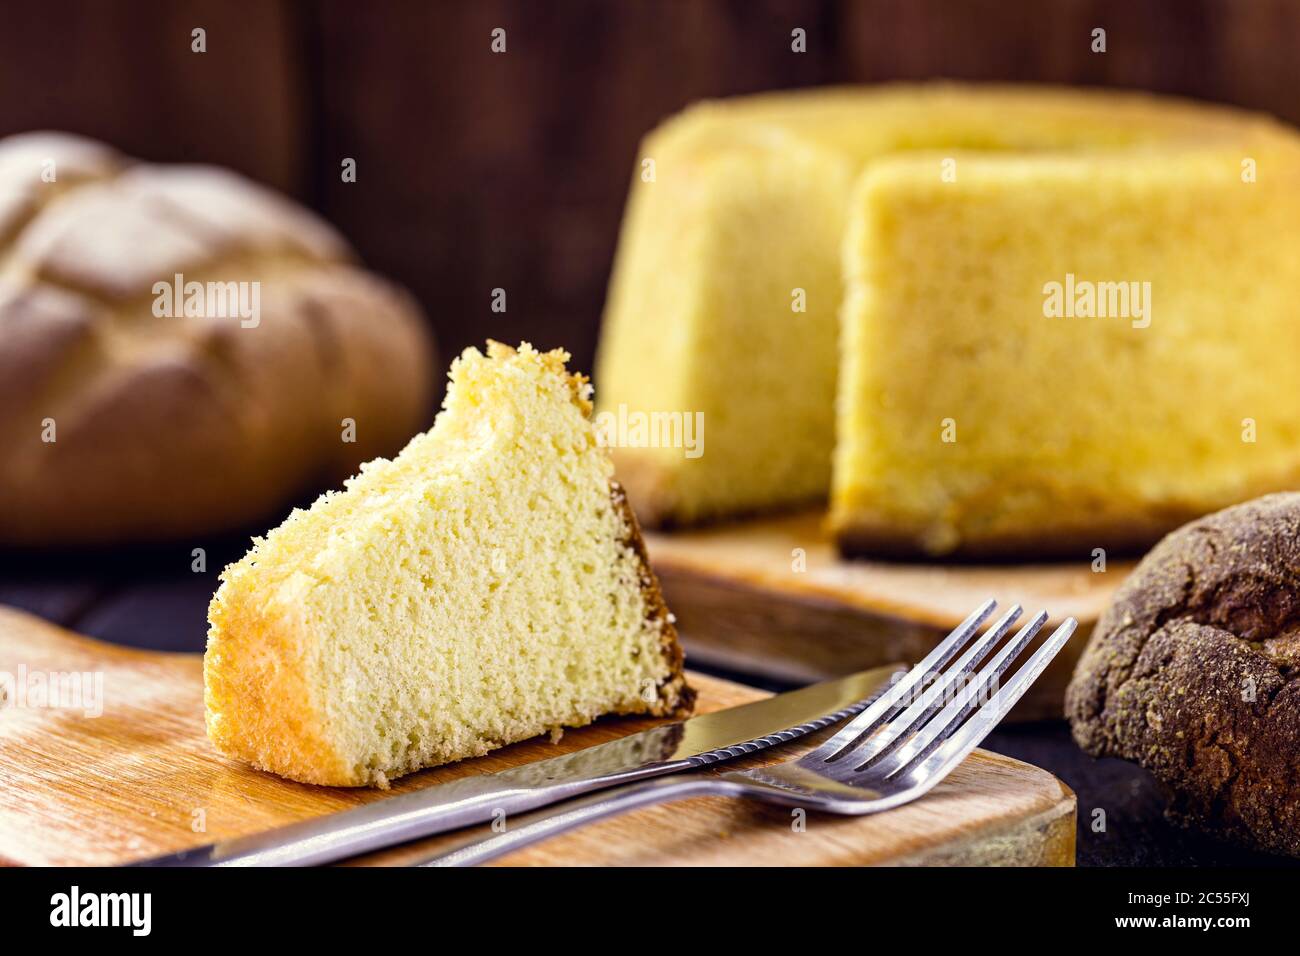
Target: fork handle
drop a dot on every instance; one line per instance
(568, 816)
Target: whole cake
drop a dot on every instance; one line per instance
(983, 320)
(487, 585)
(1194, 672)
(182, 351)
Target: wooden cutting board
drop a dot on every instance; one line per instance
(772, 598)
(140, 779)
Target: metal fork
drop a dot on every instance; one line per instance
(892, 753)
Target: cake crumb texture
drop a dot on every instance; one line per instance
(486, 586)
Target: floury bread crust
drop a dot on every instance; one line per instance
(831, 277)
(487, 585)
(172, 425)
(1194, 673)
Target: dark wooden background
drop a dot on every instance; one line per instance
(478, 171)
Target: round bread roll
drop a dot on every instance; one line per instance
(1194, 672)
(182, 351)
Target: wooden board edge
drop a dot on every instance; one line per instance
(672, 558)
(808, 593)
(1046, 839)
(752, 630)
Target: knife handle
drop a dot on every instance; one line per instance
(387, 822)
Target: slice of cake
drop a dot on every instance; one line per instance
(852, 289)
(487, 585)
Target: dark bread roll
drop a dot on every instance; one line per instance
(1194, 673)
(165, 423)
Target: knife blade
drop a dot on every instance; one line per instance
(668, 748)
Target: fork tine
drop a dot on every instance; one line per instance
(887, 705)
(896, 731)
(929, 738)
(954, 750)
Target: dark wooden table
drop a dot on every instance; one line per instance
(152, 599)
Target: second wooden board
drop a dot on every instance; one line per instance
(772, 598)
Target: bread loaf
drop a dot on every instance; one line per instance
(132, 408)
(1194, 672)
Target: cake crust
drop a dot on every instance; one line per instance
(1194, 673)
(676, 697)
(259, 707)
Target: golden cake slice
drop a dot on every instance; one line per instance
(982, 320)
(487, 585)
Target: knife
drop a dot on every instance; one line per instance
(668, 748)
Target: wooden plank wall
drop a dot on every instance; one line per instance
(479, 171)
